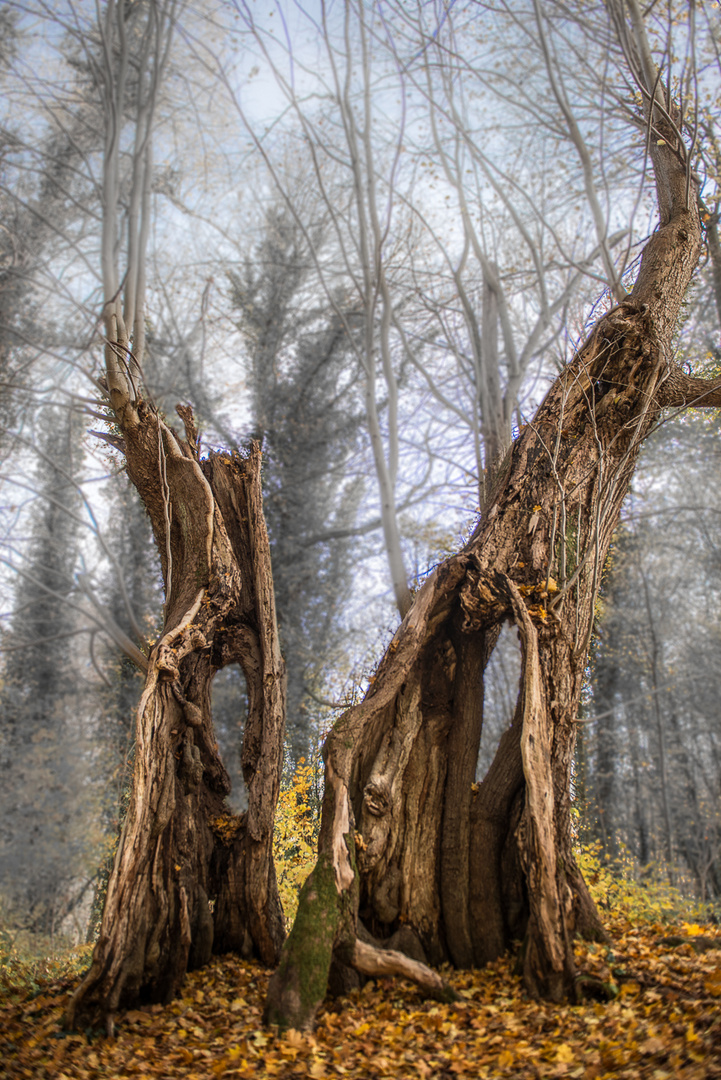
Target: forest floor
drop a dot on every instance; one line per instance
(663, 1021)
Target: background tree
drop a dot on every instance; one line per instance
(307, 417)
(652, 751)
(45, 850)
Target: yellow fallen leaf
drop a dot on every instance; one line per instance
(294, 1038)
(565, 1054)
(654, 1045)
(712, 984)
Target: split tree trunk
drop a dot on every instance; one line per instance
(407, 840)
(190, 879)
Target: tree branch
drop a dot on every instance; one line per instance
(680, 389)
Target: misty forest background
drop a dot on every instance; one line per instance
(376, 237)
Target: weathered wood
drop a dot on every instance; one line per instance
(379, 963)
(180, 848)
(549, 898)
(470, 871)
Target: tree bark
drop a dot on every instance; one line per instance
(189, 878)
(406, 838)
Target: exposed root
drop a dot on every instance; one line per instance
(379, 963)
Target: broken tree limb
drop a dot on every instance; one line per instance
(380, 963)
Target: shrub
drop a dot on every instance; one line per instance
(642, 893)
(297, 820)
(29, 962)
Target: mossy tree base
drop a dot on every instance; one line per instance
(298, 986)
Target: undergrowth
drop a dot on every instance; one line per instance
(643, 894)
(297, 821)
(29, 963)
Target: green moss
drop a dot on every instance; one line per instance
(447, 994)
(305, 963)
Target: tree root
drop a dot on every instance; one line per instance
(378, 963)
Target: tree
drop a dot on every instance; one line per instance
(404, 838)
(651, 733)
(43, 848)
(179, 847)
(511, 264)
(354, 155)
(306, 415)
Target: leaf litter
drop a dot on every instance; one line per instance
(658, 1017)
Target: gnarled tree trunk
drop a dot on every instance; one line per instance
(189, 878)
(407, 839)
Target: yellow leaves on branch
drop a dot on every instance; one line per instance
(296, 832)
(226, 826)
(544, 588)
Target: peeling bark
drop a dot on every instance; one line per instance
(547, 951)
(469, 870)
(180, 848)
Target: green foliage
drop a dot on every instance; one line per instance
(642, 894)
(29, 962)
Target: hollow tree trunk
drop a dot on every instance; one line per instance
(190, 879)
(407, 840)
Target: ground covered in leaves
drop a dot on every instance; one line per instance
(662, 1020)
